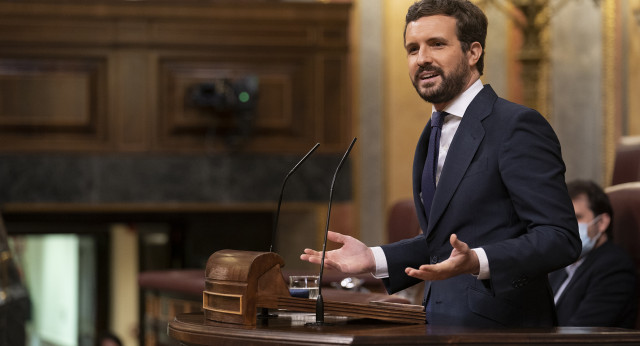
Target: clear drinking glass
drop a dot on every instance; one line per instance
(304, 286)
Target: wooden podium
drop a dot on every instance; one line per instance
(237, 283)
(289, 328)
(240, 282)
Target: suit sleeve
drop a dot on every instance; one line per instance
(403, 254)
(532, 170)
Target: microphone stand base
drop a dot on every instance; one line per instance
(319, 311)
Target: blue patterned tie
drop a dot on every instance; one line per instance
(429, 181)
(431, 164)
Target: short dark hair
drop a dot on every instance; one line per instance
(471, 22)
(599, 202)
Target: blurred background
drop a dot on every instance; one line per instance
(139, 137)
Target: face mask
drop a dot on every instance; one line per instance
(587, 243)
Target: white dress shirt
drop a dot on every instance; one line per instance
(570, 269)
(455, 111)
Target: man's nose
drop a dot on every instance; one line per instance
(424, 57)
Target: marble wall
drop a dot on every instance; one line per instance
(156, 178)
(576, 88)
(631, 66)
(370, 119)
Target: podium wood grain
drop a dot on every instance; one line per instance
(288, 328)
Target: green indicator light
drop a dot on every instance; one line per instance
(243, 96)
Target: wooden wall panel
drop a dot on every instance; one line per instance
(335, 100)
(57, 101)
(283, 118)
(114, 76)
(132, 88)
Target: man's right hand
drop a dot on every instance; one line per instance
(353, 257)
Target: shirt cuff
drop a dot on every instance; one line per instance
(484, 264)
(382, 270)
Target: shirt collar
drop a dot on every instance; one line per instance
(574, 266)
(459, 105)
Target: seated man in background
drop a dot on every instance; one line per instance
(598, 289)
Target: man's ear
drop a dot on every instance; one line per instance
(474, 53)
(605, 221)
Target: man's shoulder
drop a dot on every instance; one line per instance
(611, 255)
(502, 105)
(513, 107)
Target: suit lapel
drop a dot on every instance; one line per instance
(461, 152)
(418, 165)
(580, 271)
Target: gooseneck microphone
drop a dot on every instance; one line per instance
(319, 301)
(284, 182)
(264, 312)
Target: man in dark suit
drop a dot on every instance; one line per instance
(599, 290)
(500, 219)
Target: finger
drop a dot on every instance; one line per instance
(416, 273)
(427, 267)
(316, 255)
(424, 269)
(312, 252)
(457, 243)
(311, 259)
(336, 237)
(430, 272)
(318, 260)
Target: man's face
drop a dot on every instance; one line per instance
(438, 68)
(584, 213)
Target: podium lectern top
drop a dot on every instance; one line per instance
(239, 282)
(239, 265)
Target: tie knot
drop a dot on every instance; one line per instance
(437, 119)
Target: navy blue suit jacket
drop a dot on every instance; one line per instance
(502, 188)
(602, 291)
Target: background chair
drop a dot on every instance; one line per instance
(627, 161)
(625, 201)
(403, 221)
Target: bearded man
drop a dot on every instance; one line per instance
(500, 218)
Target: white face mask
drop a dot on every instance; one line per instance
(587, 243)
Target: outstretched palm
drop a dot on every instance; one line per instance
(462, 261)
(353, 257)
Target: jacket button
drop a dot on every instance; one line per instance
(434, 259)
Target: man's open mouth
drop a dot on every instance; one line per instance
(428, 75)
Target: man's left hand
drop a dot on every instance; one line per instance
(463, 260)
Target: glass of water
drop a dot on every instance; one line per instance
(304, 286)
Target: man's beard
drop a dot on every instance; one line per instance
(450, 86)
